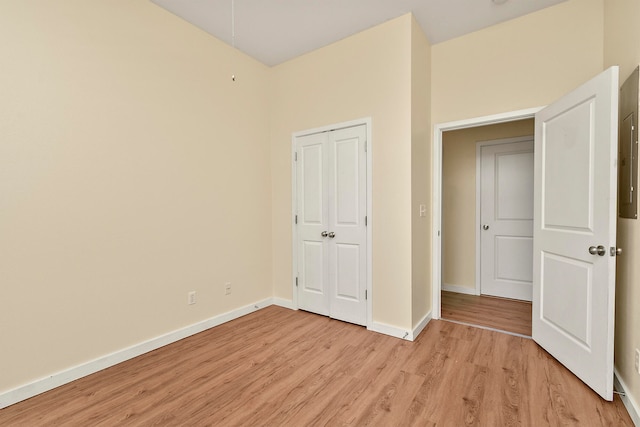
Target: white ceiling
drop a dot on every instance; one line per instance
(274, 31)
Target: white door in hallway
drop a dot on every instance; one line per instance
(331, 223)
(506, 218)
(575, 230)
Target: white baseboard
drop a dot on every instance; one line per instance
(68, 375)
(393, 331)
(629, 402)
(63, 377)
(459, 289)
(284, 303)
(421, 325)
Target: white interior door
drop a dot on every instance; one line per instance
(348, 234)
(506, 218)
(575, 230)
(313, 222)
(331, 210)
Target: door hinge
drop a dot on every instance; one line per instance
(296, 281)
(296, 220)
(365, 145)
(295, 156)
(365, 221)
(366, 295)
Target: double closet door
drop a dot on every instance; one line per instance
(331, 237)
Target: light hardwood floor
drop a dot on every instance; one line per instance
(498, 313)
(278, 367)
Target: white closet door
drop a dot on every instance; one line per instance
(331, 178)
(347, 211)
(313, 222)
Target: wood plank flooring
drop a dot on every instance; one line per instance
(497, 313)
(278, 367)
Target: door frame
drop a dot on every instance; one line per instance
(294, 202)
(436, 190)
(479, 146)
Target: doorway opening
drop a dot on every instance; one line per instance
(458, 294)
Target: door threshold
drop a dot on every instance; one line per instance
(515, 334)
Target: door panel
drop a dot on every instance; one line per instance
(347, 279)
(514, 176)
(576, 278)
(347, 182)
(347, 258)
(575, 209)
(313, 219)
(506, 213)
(514, 257)
(573, 150)
(312, 164)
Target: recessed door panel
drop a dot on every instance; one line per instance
(514, 192)
(567, 150)
(567, 279)
(347, 207)
(312, 267)
(347, 259)
(514, 259)
(311, 163)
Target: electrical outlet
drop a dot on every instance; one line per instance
(637, 361)
(191, 297)
(227, 288)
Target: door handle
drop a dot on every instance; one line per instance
(324, 234)
(332, 235)
(485, 227)
(600, 250)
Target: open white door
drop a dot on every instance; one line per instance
(575, 230)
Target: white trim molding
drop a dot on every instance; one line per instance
(632, 406)
(393, 331)
(68, 375)
(420, 326)
(281, 302)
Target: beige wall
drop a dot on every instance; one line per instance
(366, 75)
(522, 63)
(459, 197)
(420, 173)
(622, 47)
(132, 170)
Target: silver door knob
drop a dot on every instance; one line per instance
(332, 235)
(485, 227)
(600, 250)
(324, 234)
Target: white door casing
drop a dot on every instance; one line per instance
(575, 210)
(331, 195)
(506, 218)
